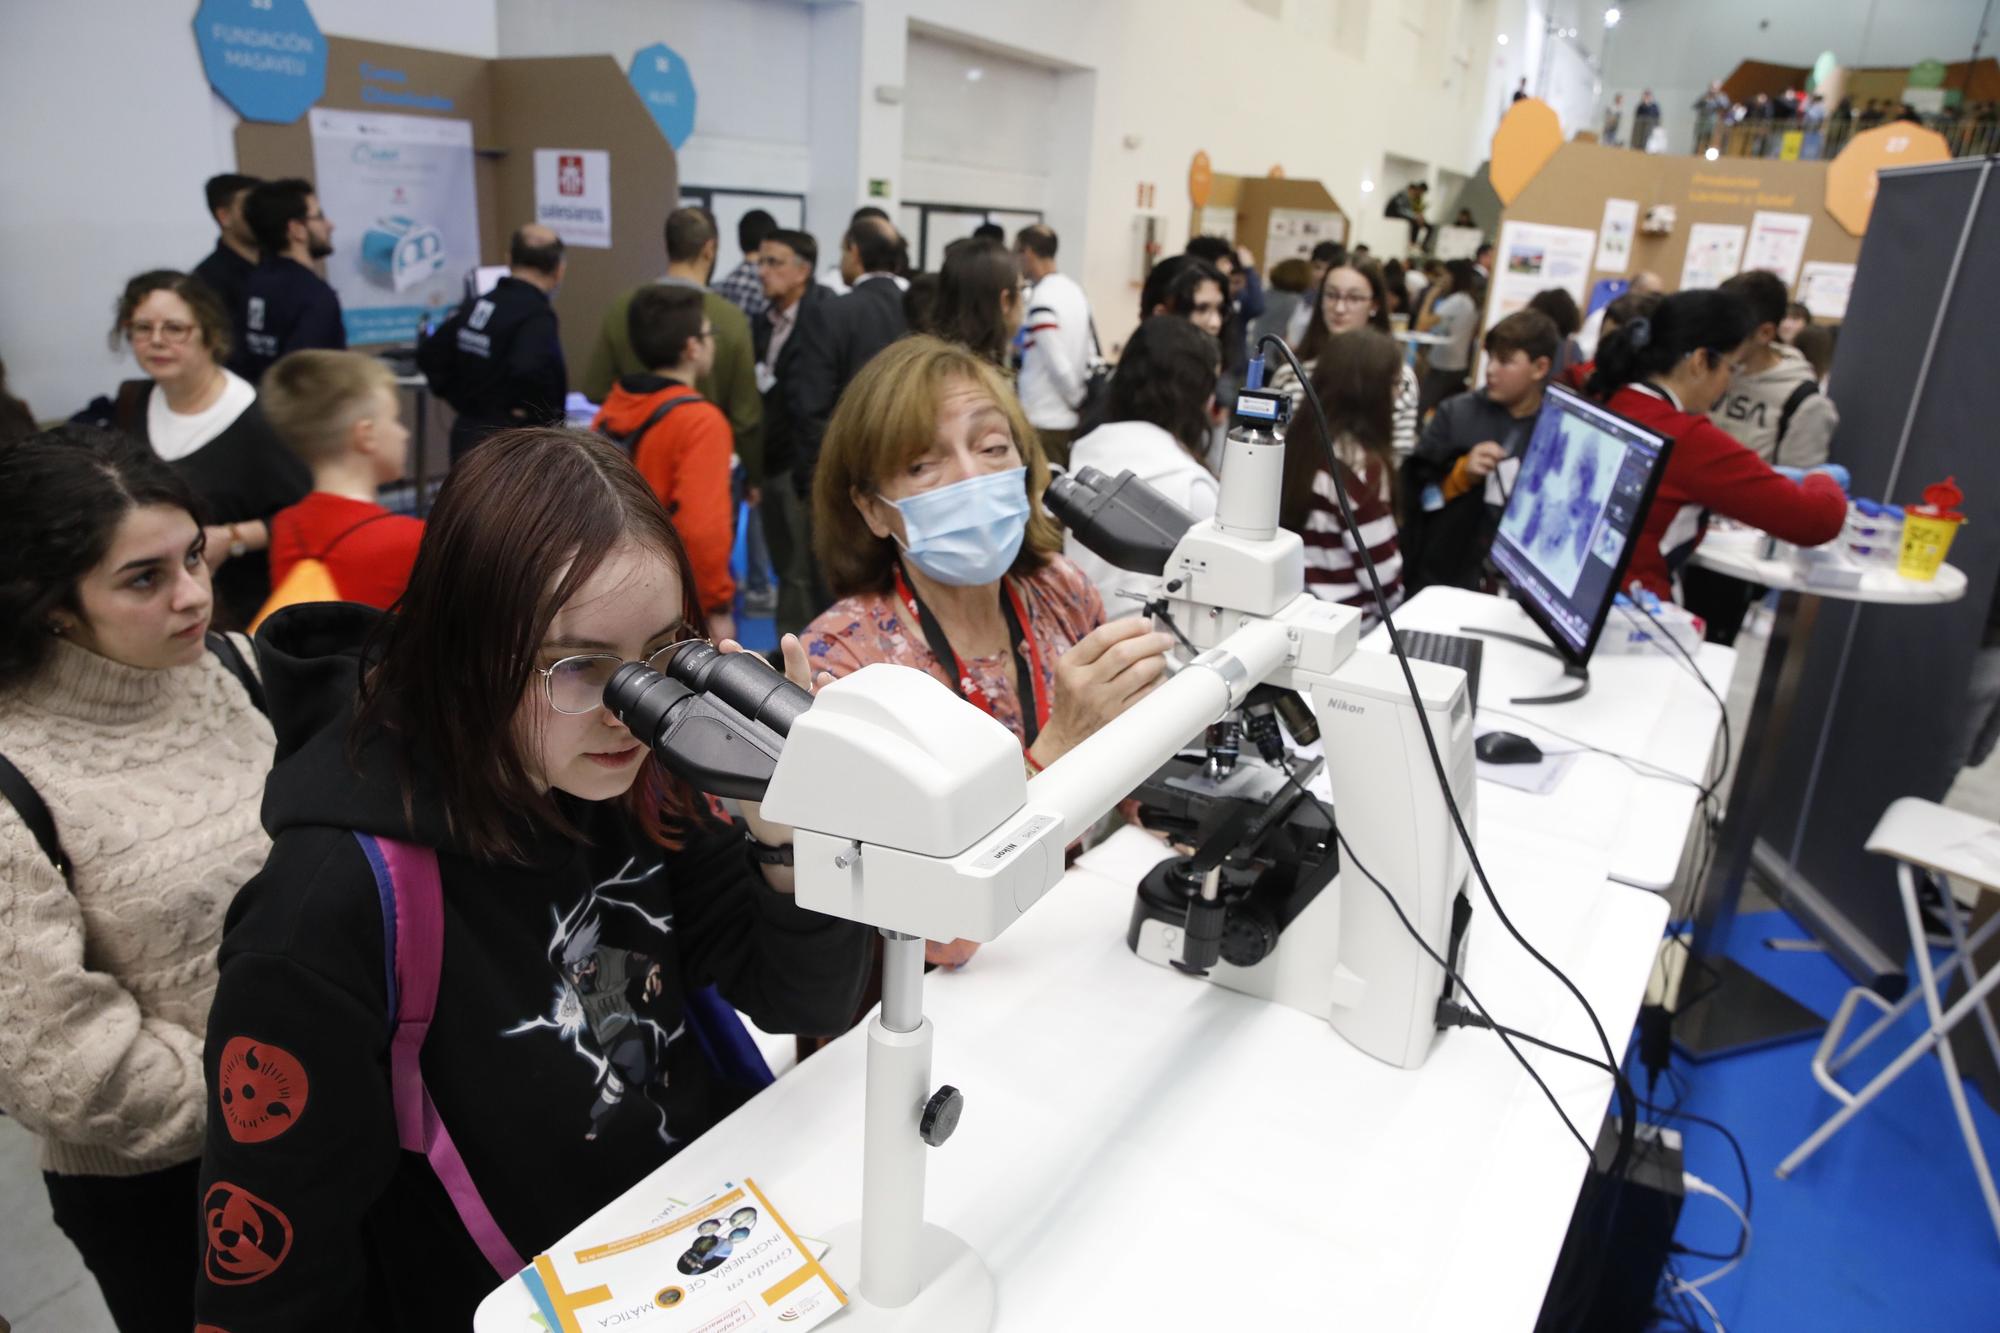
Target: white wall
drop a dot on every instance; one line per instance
(111, 130)
(1676, 47)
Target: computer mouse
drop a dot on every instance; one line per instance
(1504, 747)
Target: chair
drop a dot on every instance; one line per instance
(1921, 835)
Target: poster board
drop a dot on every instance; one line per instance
(1572, 188)
(1295, 208)
(514, 107)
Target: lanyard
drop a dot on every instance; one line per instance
(1033, 718)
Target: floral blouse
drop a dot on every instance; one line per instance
(1062, 603)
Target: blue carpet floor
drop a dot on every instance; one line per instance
(1883, 1229)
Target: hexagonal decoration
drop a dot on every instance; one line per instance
(266, 58)
(666, 86)
(1850, 179)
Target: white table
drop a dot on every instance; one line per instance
(1646, 706)
(1742, 1011)
(1142, 1149)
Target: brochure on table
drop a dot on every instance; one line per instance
(399, 191)
(728, 1262)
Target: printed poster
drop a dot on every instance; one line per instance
(1293, 232)
(1824, 287)
(573, 195)
(1614, 235)
(1457, 243)
(405, 213)
(1534, 257)
(1778, 244)
(1714, 253)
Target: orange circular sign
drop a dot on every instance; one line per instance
(1201, 180)
(1850, 180)
(1528, 137)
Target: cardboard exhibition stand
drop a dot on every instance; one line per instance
(514, 107)
(1253, 199)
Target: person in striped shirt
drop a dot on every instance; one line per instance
(1356, 376)
(1352, 295)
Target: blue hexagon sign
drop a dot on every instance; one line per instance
(664, 84)
(265, 57)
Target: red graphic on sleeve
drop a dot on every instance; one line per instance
(247, 1238)
(261, 1088)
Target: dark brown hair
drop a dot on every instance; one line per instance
(887, 418)
(972, 289)
(661, 321)
(1316, 330)
(520, 525)
(1527, 330)
(209, 316)
(1355, 377)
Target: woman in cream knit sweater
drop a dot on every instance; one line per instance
(151, 760)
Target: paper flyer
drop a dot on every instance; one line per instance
(1534, 257)
(1823, 288)
(1714, 253)
(1614, 235)
(729, 1264)
(1778, 244)
(405, 212)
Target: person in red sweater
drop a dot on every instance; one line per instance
(338, 412)
(681, 442)
(1664, 371)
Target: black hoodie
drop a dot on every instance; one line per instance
(557, 1056)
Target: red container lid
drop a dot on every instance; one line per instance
(1941, 500)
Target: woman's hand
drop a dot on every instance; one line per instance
(215, 547)
(798, 671)
(1113, 667)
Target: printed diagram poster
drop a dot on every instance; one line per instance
(1714, 253)
(1293, 232)
(573, 195)
(405, 213)
(1614, 235)
(1778, 244)
(1823, 288)
(1533, 258)
(1458, 242)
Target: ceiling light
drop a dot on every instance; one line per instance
(1611, 17)
(1502, 39)
(1712, 154)
(975, 74)
(1367, 186)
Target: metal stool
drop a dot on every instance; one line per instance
(1921, 835)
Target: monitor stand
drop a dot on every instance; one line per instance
(1580, 675)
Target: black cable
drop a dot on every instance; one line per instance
(1625, 1119)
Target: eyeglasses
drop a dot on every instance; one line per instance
(1350, 298)
(173, 332)
(575, 685)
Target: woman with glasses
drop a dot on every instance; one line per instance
(586, 896)
(1664, 371)
(203, 418)
(124, 730)
(1352, 295)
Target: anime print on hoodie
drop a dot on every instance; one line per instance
(1753, 405)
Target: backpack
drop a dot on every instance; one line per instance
(1788, 411)
(412, 898)
(629, 441)
(34, 811)
(309, 580)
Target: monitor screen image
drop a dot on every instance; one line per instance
(1565, 537)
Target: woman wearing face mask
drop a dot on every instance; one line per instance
(1352, 296)
(585, 896)
(148, 758)
(204, 419)
(1666, 369)
(927, 518)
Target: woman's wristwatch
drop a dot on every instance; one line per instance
(764, 854)
(237, 550)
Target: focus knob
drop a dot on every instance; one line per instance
(940, 1117)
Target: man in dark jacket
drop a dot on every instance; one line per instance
(498, 360)
(836, 338)
(227, 268)
(286, 304)
(786, 261)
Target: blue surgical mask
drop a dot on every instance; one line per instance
(969, 532)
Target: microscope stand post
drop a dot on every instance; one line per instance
(898, 1271)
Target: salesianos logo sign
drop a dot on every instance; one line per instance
(266, 58)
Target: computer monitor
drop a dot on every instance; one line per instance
(485, 276)
(1573, 511)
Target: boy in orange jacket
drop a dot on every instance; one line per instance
(681, 442)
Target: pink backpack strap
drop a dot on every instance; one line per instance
(412, 897)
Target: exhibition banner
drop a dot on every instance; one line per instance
(573, 194)
(1535, 257)
(400, 193)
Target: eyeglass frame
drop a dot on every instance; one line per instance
(548, 672)
(158, 332)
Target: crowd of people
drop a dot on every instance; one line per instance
(1757, 126)
(209, 838)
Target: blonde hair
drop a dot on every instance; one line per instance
(313, 398)
(886, 419)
